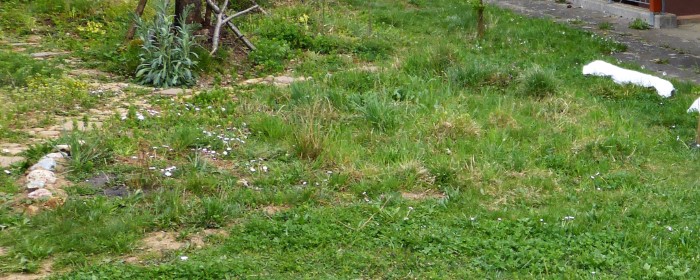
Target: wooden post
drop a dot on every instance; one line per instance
(697, 134)
(481, 26)
(655, 6)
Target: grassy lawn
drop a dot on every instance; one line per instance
(415, 151)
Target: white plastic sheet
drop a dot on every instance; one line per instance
(625, 76)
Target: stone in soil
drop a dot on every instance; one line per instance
(12, 149)
(48, 134)
(173, 91)
(45, 176)
(40, 194)
(7, 161)
(33, 39)
(33, 185)
(80, 125)
(47, 54)
(63, 148)
(44, 163)
(120, 191)
(100, 181)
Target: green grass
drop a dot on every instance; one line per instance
(535, 171)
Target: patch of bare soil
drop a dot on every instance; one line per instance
(43, 272)
(157, 243)
(422, 195)
(274, 209)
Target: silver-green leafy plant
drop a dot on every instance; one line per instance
(167, 57)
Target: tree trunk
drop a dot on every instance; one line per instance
(195, 15)
(139, 11)
(480, 25)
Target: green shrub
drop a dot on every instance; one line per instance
(271, 54)
(280, 29)
(14, 19)
(16, 69)
(330, 44)
(167, 58)
(74, 8)
(373, 49)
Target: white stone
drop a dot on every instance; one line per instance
(625, 76)
(39, 194)
(41, 176)
(56, 156)
(44, 163)
(695, 107)
(36, 185)
(63, 148)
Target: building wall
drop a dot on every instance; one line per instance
(683, 7)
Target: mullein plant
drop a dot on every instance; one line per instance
(167, 56)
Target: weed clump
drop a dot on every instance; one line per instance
(538, 83)
(639, 24)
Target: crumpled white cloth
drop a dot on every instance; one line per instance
(625, 76)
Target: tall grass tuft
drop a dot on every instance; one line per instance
(538, 83)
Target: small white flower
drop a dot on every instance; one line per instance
(184, 258)
(8, 172)
(541, 220)
(499, 219)
(472, 219)
(669, 228)
(168, 174)
(225, 153)
(252, 169)
(410, 208)
(303, 183)
(264, 168)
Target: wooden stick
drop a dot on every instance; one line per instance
(240, 13)
(259, 8)
(139, 11)
(232, 26)
(217, 28)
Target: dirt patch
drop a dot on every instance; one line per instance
(199, 239)
(156, 243)
(43, 272)
(422, 195)
(161, 241)
(274, 209)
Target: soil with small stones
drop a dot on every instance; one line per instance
(670, 51)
